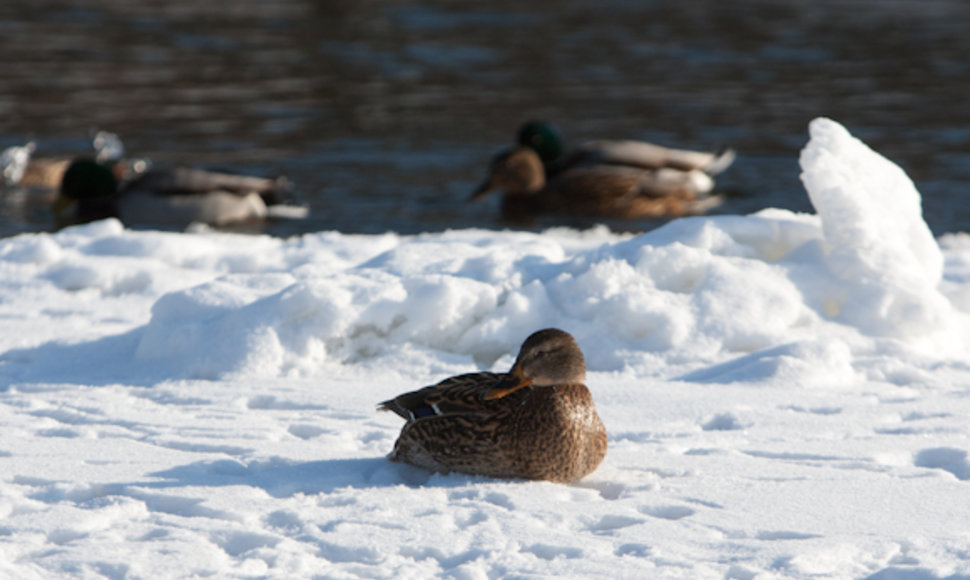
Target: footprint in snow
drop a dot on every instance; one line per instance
(307, 431)
(500, 499)
(548, 552)
(285, 520)
(62, 536)
(236, 543)
(636, 550)
(668, 512)
(611, 522)
(608, 490)
(62, 432)
(723, 422)
(945, 458)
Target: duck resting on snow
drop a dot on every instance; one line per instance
(610, 179)
(537, 421)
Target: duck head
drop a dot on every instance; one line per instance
(518, 171)
(543, 138)
(547, 358)
(90, 188)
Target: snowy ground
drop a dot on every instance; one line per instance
(786, 395)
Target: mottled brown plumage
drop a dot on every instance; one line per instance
(537, 421)
(45, 173)
(597, 190)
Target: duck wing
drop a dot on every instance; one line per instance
(185, 180)
(648, 156)
(453, 396)
(625, 192)
(217, 208)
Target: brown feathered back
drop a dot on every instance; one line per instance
(603, 190)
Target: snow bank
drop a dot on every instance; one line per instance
(875, 241)
(785, 395)
(695, 292)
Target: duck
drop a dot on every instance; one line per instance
(537, 421)
(22, 169)
(547, 142)
(598, 190)
(165, 196)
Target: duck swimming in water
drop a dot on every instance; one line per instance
(174, 196)
(618, 179)
(546, 141)
(603, 190)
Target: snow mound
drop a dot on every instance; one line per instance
(875, 239)
(683, 300)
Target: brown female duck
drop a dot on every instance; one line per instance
(596, 190)
(537, 421)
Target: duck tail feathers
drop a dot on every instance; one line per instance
(722, 160)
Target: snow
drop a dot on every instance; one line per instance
(786, 396)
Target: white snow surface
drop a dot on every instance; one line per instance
(786, 396)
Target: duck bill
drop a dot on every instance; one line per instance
(511, 383)
(482, 190)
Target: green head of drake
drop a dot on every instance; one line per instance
(88, 188)
(543, 138)
(86, 179)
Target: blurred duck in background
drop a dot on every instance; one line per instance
(547, 142)
(170, 196)
(608, 179)
(20, 168)
(109, 184)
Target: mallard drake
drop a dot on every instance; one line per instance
(604, 190)
(537, 421)
(166, 196)
(546, 141)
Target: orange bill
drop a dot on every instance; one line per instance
(511, 383)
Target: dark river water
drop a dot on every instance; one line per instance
(385, 113)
